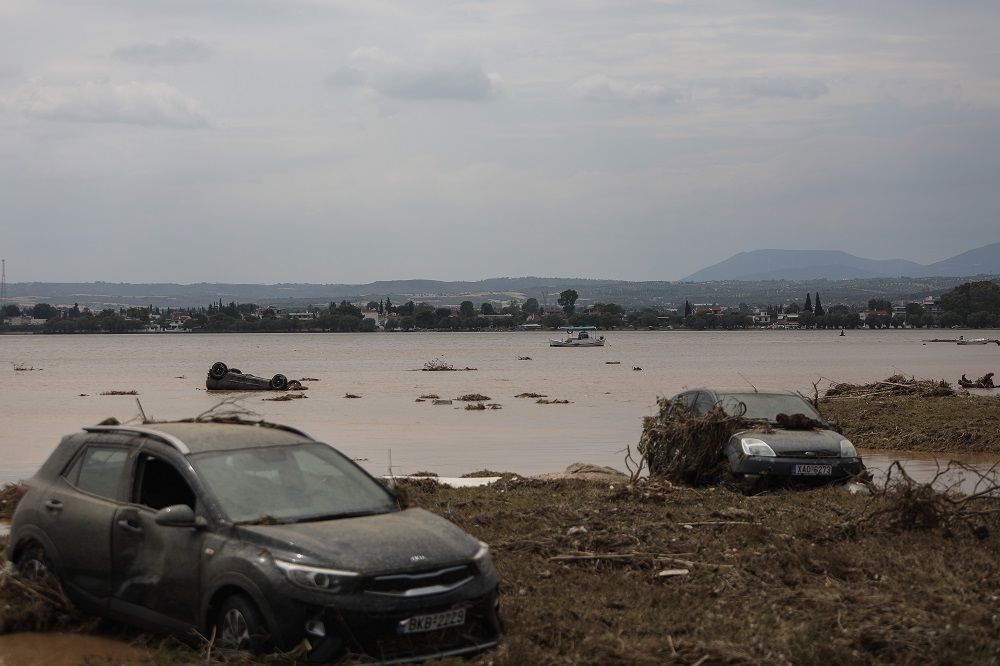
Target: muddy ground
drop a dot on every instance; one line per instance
(616, 572)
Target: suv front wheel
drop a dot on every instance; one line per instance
(241, 625)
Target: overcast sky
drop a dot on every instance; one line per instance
(329, 141)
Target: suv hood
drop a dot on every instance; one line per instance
(399, 541)
(825, 443)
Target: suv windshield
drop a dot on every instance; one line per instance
(766, 405)
(290, 484)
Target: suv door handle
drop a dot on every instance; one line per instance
(54, 505)
(125, 525)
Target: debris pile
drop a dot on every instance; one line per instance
(893, 386)
(8, 501)
(38, 605)
(686, 448)
(905, 504)
(984, 382)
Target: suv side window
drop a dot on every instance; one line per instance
(98, 470)
(159, 484)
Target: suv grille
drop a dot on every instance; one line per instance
(421, 584)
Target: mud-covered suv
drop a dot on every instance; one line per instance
(258, 531)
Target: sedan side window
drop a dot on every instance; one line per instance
(704, 404)
(98, 470)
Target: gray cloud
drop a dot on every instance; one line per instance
(606, 89)
(346, 77)
(467, 82)
(176, 51)
(843, 124)
(780, 87)
(104, 102)
(395, 78)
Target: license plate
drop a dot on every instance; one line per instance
(812, 470)
(432, 622)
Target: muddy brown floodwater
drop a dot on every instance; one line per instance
(64, 650)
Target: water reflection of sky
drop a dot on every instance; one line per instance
(966, 474)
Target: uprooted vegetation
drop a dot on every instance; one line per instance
(936, 504)
(895, 385)
(8, 501)
(683, 447)
(437, 365)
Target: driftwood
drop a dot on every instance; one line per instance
(984, 382)
(905, 504)
(894, 385)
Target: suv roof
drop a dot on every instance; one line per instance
(740, 390)
(214, 435)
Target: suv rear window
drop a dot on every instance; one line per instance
(98, 470)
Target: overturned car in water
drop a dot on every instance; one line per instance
(258, 534)
(223, 378)
(707, 435)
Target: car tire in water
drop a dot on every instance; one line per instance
(241, 625)
(279, 382)
(33, 564)
(218, 370)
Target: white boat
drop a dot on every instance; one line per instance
(977, 341)
(578, 336)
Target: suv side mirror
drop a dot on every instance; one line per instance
(179, 515)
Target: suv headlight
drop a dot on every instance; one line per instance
(847, 449)
(756, 447)
(315, 578)
(482, 558)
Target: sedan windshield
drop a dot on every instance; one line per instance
(766, 405)
(290, 484)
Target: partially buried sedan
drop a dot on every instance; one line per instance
(793, 442)
(258, 532)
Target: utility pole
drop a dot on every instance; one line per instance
(3, 286)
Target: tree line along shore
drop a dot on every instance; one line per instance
(973, 305)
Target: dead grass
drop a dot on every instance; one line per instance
(775, 578)
(956, 423)
(8, 501)
(473, 397)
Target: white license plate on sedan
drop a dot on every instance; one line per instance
(812, 470)
(432, 622)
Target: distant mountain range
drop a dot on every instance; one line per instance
(760, 277)
(836, 265)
